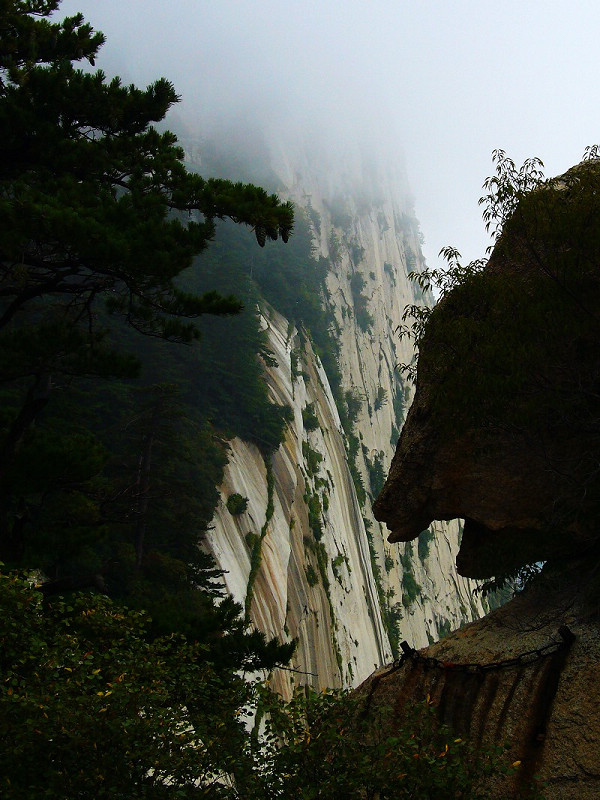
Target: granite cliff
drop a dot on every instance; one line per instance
(306, 557)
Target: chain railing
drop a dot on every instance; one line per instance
(567, 637)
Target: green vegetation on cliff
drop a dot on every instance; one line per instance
(113, 438)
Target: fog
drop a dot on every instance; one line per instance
(443, 83)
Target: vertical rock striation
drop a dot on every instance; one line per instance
(321, 571)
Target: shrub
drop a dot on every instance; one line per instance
(406, 557)
(381, 398)
(357, 253)
(353, 405)
(312, 459)
(332, 750)
(363, 319)
(309, 418)
(376, 473)
(336, 563)
(424, 540)
(334, 247)
(311, 575)
(411, 589)
(389, 270)
(314, 515)
(236, 504)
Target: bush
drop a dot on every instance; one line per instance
(336, 563)
(236, 504)
(363, 319)
(411, 589)
(96, 707)
(309, 418)
(381, 398)
(423, 542)
(389, 270)
(92, 706)
(331, 750)
(311, 575)
(357, 253)
(312, 459)
(353, 405)
(314, 515)
(376, 473)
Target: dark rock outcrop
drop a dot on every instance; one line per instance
(504, 430)
(539, 699)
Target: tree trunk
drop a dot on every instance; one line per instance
(35, 401)
(12, 531)
(143, 485)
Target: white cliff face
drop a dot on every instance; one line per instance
(316, 588)
(318, 567)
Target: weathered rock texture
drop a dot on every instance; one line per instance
(503, 430)
(347, 595)
(325, 593)
(545, 708)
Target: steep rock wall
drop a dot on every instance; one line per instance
(326, 574)
(512, 679)
(319, 589)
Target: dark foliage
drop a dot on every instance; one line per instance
(112, 482)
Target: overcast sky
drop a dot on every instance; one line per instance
(444, 81)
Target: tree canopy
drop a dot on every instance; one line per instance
(98, 214)
(93, 708)
(99, 217)
(94, 199)
(103, 484)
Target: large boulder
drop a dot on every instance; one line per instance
(523, 677)
(504, 430)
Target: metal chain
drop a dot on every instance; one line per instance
(566, 635)
(410, 654)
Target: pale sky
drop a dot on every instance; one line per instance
(445, 82)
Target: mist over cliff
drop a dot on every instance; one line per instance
(304, 555)
(199, 410)
(302, 551)
(445, 83)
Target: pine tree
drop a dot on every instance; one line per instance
(98, 220)
(97, 210)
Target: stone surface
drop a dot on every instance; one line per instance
(344, 607)
(544, 709)
(503, 429)
(339, 626)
